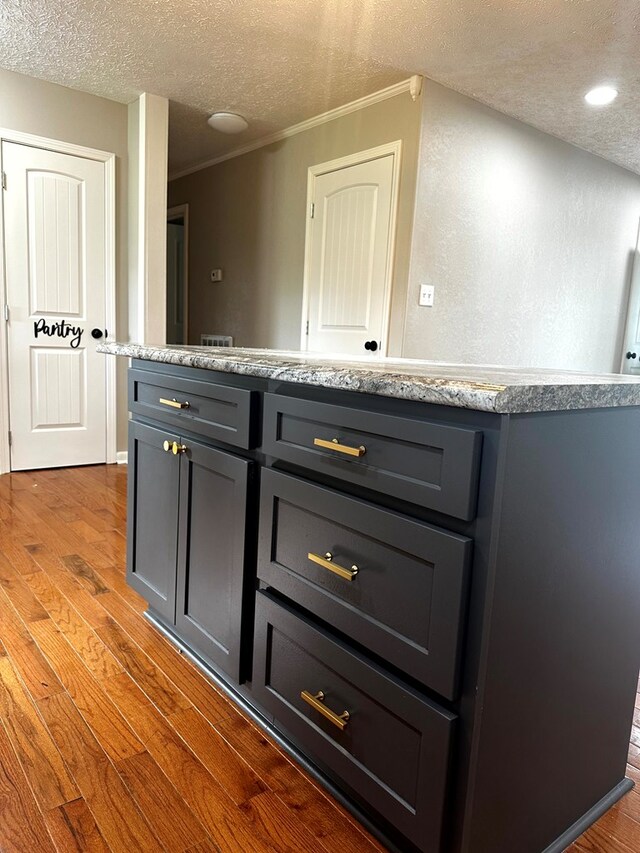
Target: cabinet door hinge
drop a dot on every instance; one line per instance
(4, 180)
(5, 312)
(313, 210)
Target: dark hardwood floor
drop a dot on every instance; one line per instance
(112, 740)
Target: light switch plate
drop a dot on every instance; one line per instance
(427, 294)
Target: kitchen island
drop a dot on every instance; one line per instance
(422, 578)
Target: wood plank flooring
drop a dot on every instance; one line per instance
(110, 740)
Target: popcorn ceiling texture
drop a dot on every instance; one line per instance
(283, 61)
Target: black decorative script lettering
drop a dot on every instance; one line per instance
(61, 329)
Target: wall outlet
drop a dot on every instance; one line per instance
(427, 294)
(216, 275)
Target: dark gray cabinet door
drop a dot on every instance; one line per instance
(216, 411)
(407, 601)
(213, 507)
(393, 746)
(153, 517)
(432, 464)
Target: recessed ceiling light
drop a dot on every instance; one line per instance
(227, 122)
(601, 96)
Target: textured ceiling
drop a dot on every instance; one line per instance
(281, 61)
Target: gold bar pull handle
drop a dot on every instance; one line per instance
(175, 404)
(335, 445)
(316, 700)
(327, 563)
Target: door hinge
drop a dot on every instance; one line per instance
(10, 439)
(307, 328)
(5, 312)
(313, 210)
(4, 180)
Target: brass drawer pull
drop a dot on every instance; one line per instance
(327, 563)
(175, 404)
(174, 447)
(339, 720)
(334, 444)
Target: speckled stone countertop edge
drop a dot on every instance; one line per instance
(476, 394)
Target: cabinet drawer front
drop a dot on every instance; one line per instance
(393, 751)
(406, 603)
(216, 411)
(431, 464)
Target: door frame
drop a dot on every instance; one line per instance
(181, 211)
(632, 320)
(109, 160)
(355, 159)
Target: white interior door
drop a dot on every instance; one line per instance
(631, 348)
(349, 258)
(55, 260)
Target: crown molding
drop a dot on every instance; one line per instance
(413, 85)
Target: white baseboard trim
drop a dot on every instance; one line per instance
(122, 457)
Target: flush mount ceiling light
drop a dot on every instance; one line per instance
(227, 122)
(601, 96)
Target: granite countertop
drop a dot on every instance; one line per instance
(485, 388)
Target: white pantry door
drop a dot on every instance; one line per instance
(55, 253)
(349, 258)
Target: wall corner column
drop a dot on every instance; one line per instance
(148, 158)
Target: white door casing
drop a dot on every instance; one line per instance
(58, 234)
(175, 283)
(631, 346)
(177, 299)
(352, 205)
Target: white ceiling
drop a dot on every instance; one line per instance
(279, 62)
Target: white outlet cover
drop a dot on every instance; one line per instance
(427, 295)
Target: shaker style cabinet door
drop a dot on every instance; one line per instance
(213, 507)
(386, 743)
(152, 539)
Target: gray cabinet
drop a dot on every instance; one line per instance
(386, 742)
(211, 545)
(152, 521)
(415, 459)
(396, 586)
(464, 584)
(186, 539)
(214, 411)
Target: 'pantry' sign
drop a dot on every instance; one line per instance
(61, 329)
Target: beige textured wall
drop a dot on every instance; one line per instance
(46, 109)
(247, 216)
(527, 240)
